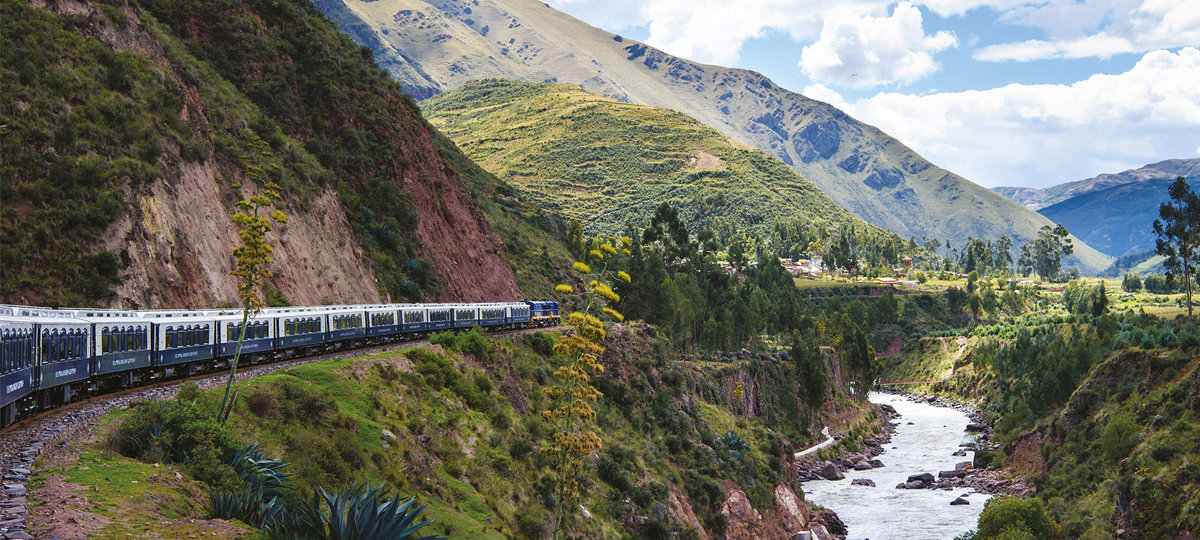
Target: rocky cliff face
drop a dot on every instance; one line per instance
(174, 238)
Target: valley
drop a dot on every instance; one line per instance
(502, 274)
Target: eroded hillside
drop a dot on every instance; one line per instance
(132, 123)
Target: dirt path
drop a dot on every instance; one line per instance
(828, 441)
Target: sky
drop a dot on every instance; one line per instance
(1002, 92)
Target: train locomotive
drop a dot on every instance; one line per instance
(51, 357)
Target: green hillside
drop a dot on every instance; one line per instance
(130, 124)
(433, 47)
(609, 163)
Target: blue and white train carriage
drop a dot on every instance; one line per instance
(18, 343)
(184, 342)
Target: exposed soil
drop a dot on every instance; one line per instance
(70, 511)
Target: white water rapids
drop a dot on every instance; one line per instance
(886, 513)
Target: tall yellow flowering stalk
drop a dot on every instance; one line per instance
(254, 255)
(571, 398)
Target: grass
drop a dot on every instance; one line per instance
(610, 164)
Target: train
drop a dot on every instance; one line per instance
(52, 357)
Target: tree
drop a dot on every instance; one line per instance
(253, 257)
(1131, 283)
(1044, 254)
(810, 369)
(1003, 256)
(1100, 301)
(1178, 231)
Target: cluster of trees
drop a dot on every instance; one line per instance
(1152, 283)
(846, 248)
(677, 284)
(983, 257)
(1044, 253)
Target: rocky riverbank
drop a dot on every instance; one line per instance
(976, 475)
(811, 467)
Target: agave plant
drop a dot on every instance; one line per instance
(261, 504)
(261, 475)
(360, 512)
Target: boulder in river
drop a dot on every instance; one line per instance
(964, 466)
(974, 426)
(862, 482)
(959, 502)
(959, 453)
(916, 484)
(863, 466)
(923, 477)
(876, 464)
(959, 473)
(831, 472)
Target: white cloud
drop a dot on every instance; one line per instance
(1098, 28)
(1039, 135)
(820, 92)
(862, 51)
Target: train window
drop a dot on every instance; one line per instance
(464, 315)
(5, 352)
(141, 338)
(123, 341)
(105, 346)
(205, 334)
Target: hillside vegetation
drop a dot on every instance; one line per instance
(1098, 408)
(133, 123)
(434, 47)
(611, 164)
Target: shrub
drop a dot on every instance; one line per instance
(1120, 436)
(541, 343)
(1014, 518)
(447, 340)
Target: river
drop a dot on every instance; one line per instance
(887, 513)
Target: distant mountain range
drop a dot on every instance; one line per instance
(1113, 213)
(436, 46)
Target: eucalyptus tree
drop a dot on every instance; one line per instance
(1178, 230)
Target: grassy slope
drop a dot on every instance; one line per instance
(609, 163)
(446, 44)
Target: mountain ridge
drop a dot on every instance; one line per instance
(1036, 199)
(446, 43)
